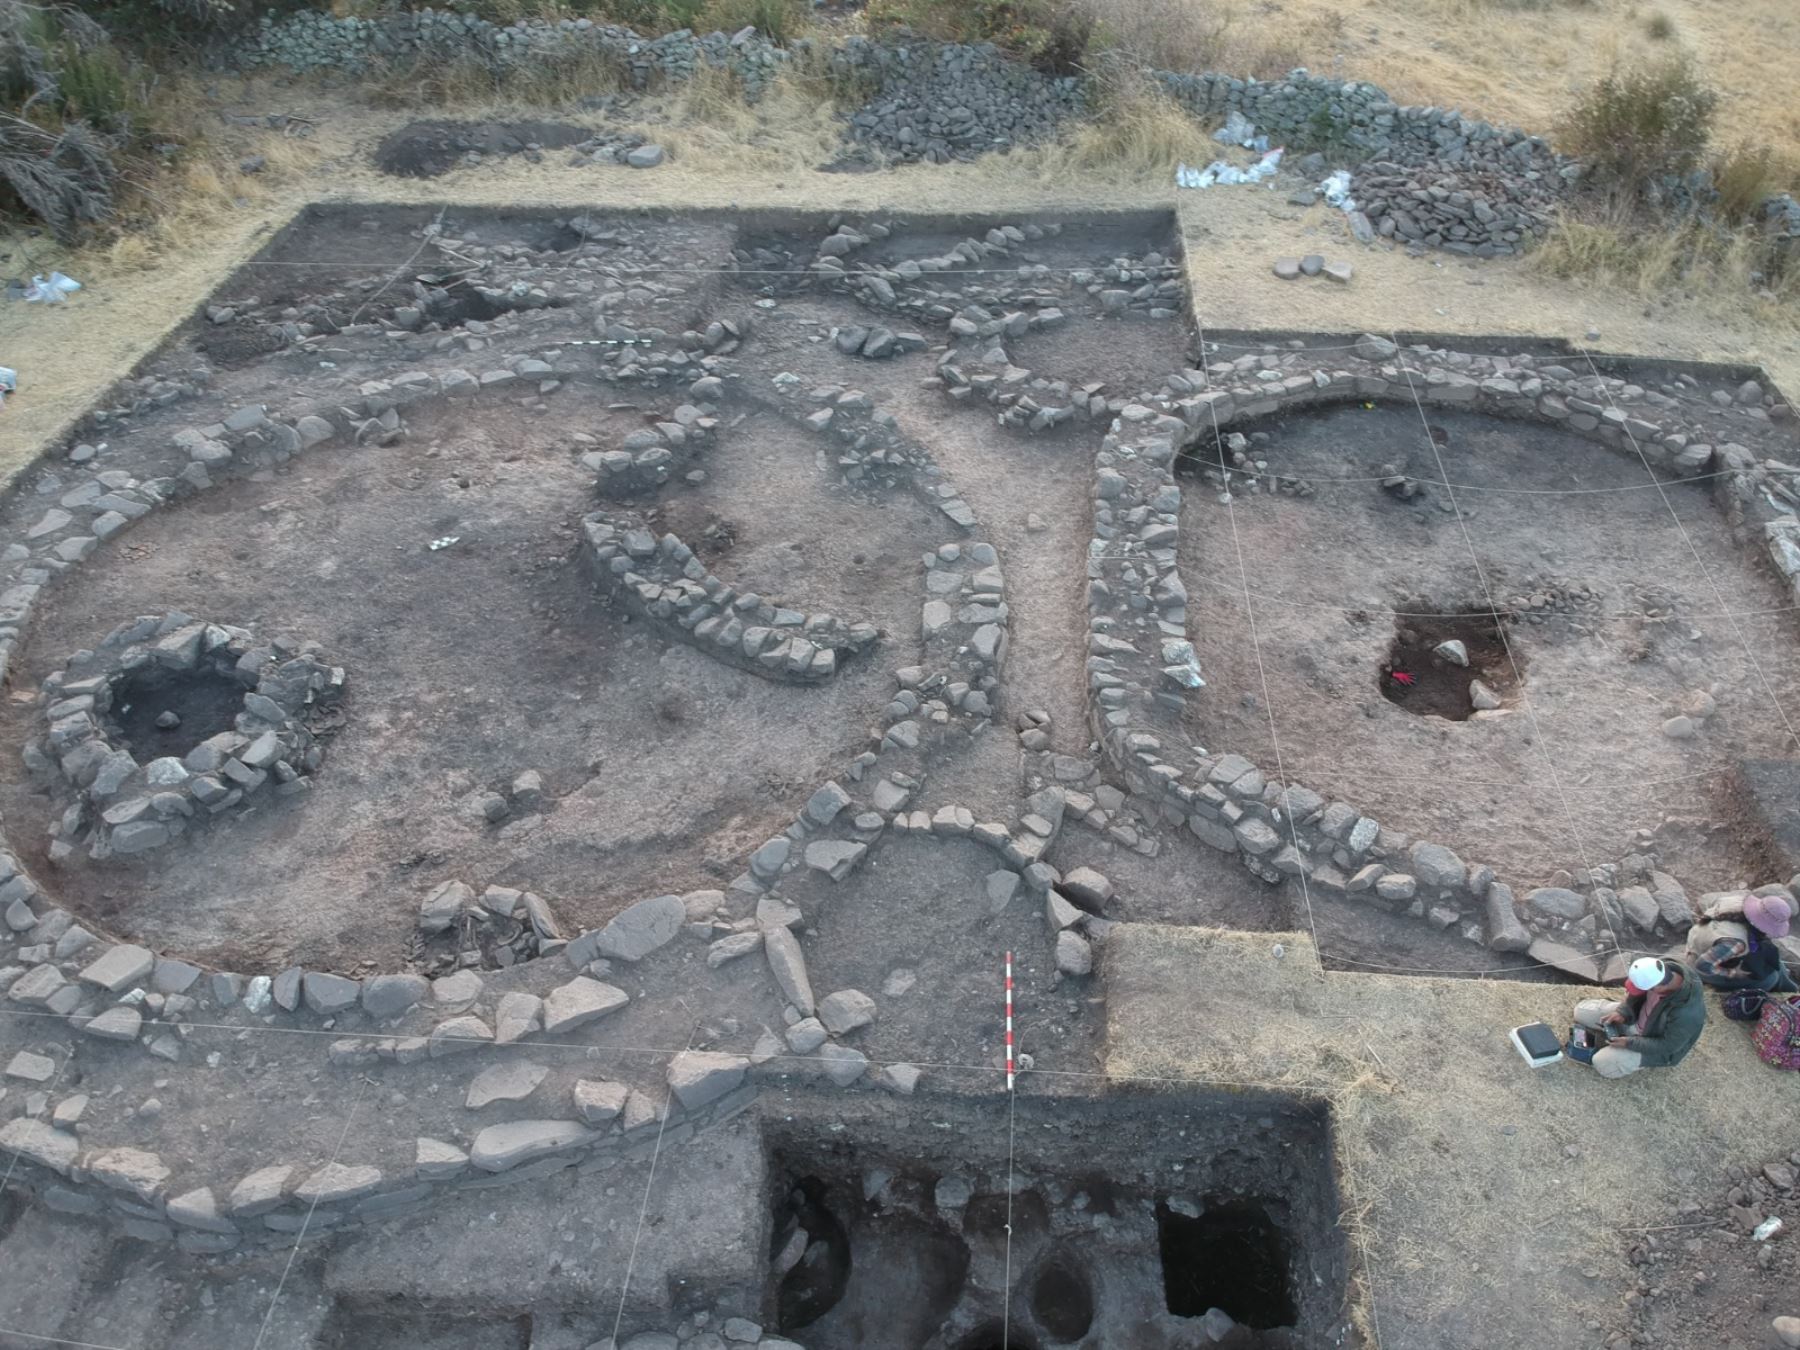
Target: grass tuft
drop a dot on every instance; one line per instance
(1712, 266)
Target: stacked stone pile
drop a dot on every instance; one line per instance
(939, 101)
(312, 40)
(650, 456)
(1478, 211)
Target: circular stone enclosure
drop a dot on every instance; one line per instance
(172, 720)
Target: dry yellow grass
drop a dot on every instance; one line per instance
(1475, 1190)
(1520, 62)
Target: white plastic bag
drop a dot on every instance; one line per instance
(9, 381)
(1238, 130)
(1336, 190)
(1228, 174)
(52, 292)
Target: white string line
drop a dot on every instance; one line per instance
(1335, 480)
(637, 1235)
(1012, 1102)
(57, 1340)
(665, 1052)
(1374, 609)
(1256, 647)
(287, 1269)
(1506, 643)
(1688, 539)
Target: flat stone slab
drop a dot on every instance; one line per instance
(42, 1144)
(700, 1077)
(1566, 959)
(500, 1147)
(512, 1080)
(633, 934)
(336, 1183)
(579, 1002)
(835, 857)
(30, 1068)
(116, 1024)
(846, 1010)
(131, 1170)
(120, 967)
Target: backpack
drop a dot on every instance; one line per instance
(1777, 1032)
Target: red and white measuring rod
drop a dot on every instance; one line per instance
(1009, 1033)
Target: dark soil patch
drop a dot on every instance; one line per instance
(1229, 1256)
(427, 149)
(202, 704)
(230, 346)
(399, 1321)
(1418, 678)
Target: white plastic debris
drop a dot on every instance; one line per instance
(1767, 1229)
(1181, 664)
(1238, 130)
(1336, 190)
(258, 993)
(1223, 174)
(438, 545)
(52, 292)
(9, 381)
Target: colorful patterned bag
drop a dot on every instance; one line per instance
(1777, 1033)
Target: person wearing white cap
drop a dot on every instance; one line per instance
(1653, 1026)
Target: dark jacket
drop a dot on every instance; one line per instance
(1674, 1026)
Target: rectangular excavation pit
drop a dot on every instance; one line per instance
(1136, 1221)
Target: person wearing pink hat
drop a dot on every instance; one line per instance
(1753, 960)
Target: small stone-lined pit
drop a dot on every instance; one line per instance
(1450, 664)
(173, 719)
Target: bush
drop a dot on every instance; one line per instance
(1660, 27)
(64, 178)
(1635, 126)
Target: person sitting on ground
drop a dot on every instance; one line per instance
(1737, 946)
(1653, 1026)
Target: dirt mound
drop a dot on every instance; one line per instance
(428, 149)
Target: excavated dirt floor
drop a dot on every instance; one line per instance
(1138, 1183)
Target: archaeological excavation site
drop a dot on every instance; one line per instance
(766, 778)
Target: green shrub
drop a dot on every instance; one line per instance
(1633, 126)
(1660, 27)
